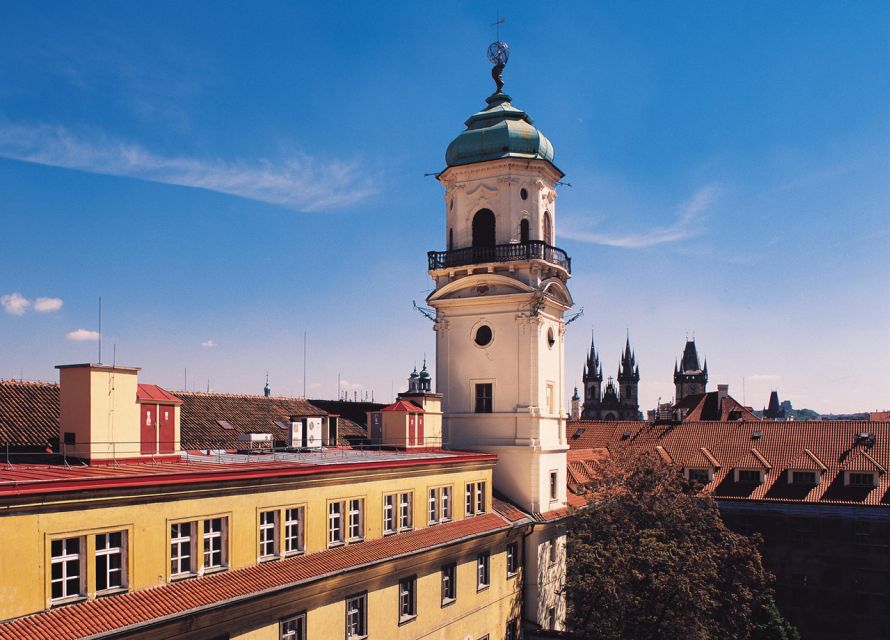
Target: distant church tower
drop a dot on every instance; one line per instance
(500, 295)
(689, 377)
(628, 383)
(593, 384)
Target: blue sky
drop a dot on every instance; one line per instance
(227, 176)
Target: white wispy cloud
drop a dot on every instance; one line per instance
(687, 224)
(299, 182)
(208, 344)
(83, 335)
(45, 305)
(758, 377)
(15, 303)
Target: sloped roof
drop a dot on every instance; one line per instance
(401, 406)
(29, 412)
(154, 393)
(181, 599)
(830, 447)
(707, 406)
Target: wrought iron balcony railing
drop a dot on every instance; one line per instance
(532, 250)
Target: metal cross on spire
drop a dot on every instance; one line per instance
(497, 25)
(498, 54)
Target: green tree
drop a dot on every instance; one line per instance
(650, 558)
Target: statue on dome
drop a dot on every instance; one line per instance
(498, 54)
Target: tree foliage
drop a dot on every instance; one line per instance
(652, 559)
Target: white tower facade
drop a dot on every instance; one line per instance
(500, 298)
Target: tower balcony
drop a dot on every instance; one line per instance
(531, 250)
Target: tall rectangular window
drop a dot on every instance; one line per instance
(449, 583)
(357, 616)
(512, 558)
(554, 548)
(335, 523)
(446, 504)
(480, 497)
(483, 397)
(405, 511)
(475, 498)
(433, 506)
(268, 534)
(356, 519)
(181, 543)
(554, 485)
(294, 530)
(482, 574)
(66, 579)
(214, 543)
(293, 627)
(407, 598)
(389, 513)
(111, 571)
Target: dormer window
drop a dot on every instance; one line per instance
(702, 476)
(860, 479)
(803, 477)
(749, 476)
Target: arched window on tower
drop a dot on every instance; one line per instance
(523, 231)
(483, 234)
(548, 228)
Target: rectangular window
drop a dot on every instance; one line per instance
(405, 511)
(483, 397)
(407, 599)
(699, 475)
(357, 616)
(293, 628)
(480, 497)
(475, 498)
(356, 520)
(551, 398)
(554, 485)
(181, 543)
(512, 559)
(389, 513)
(433, 506)
(470, 506)
(553, 549)
(335, 523)
(446, 504)
(66, 579)
(803, 477)
(214, 543)
(449, 583)
(111, 571)
(551, 619)
(512, 630)
(482, 574)
(268, 534)
(749, 476)
(294, 530)
(861, 480)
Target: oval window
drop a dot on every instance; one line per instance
(523, 193)
(483, 335)
(551, 339)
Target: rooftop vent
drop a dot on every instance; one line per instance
(625, 435)
(578, 433)
(757, 435)
(225, 425)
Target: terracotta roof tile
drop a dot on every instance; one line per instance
(154, 393)
(508, 510)
(29, 413)
(182, 598)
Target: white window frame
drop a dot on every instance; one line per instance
(432, 505)
(709, 473)
(389, 513)
(406, 511)
(512, 559)
(554, 485)
(294, 530)
(292, 627)
(267, 533)
(179, 540)
(552, 551)
(483, 571)
(445, 503)
(759, 472)
(357, 616)
(214, 537)
(107, 552)
(336, 529)
(356, 519)
(449, 578)
(480, 497)
(793, 472)
(64, 560)
(469, 500)
(407, 599)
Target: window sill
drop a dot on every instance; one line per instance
(268, 558)
(351, 540)
(61, 602)
(295, 552)
(183, 576)
(391, 532)
(512, 574)
(112, 592)
(481, 588)
(407, 619)
(333, 545)
(448, 601)
(211, 570)
(404, 529)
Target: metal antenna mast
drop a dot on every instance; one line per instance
(100, 329)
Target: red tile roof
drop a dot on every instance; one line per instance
(403, 407)
(29, 413)
(154, 393)
(105, 615)
(828, 447)
(508, 510)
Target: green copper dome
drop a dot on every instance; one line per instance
(498, 131)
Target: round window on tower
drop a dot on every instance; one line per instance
(551, 339)
(523, 193)
(483, 336)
